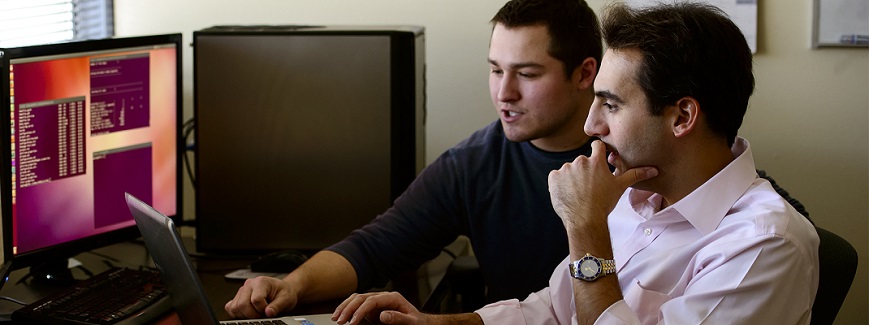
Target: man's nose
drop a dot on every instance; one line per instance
(594, 124)
(507, 91)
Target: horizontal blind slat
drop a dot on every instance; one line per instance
(29, 22)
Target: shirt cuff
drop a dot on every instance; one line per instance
(618, 313)
(502, 312)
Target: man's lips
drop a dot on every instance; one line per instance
(509, 115)
(613, 155)
(612, 158)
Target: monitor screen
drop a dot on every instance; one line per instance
(87, 122)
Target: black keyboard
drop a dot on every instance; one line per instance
(117, 296)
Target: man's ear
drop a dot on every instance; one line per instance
(686, 116)
(585, 73)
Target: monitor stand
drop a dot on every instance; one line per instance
(55, 272)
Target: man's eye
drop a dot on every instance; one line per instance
(610, 107)
(527, 75)
(496, 71)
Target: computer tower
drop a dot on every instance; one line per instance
(303, 133)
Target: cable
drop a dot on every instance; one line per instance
(24, 279)
(7, 298)
(104, 256)
(85, 270)
(188, 128)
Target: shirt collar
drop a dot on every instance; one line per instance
(707, 205)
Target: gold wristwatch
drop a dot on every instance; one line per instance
(589, 268)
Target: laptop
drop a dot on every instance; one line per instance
(185, 290)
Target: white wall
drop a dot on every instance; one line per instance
(808, 121)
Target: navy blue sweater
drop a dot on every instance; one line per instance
(486, 187)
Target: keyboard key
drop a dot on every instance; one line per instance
(107, 298)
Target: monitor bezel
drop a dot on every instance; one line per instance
(72, 248)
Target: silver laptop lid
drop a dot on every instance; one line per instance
(166, 248)
(186, 291)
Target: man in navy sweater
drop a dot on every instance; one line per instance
(491, 187)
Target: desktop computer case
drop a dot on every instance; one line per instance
(303, 133)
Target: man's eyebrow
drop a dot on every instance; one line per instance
(608, 95)
(519, 65)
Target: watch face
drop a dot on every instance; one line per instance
(589, 267)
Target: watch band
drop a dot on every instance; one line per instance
(602, 267)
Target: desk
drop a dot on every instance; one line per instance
(211, 270)
(133, 255)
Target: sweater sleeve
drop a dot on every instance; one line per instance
(423, 220)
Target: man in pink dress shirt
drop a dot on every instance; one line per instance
(684, 231)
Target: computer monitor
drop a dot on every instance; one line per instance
(86, 122)
(303, 133)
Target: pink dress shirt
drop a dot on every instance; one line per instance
(731, 252)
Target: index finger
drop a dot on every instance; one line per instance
(259, 296)
(598, 150)
(343, 304)
(239, 306)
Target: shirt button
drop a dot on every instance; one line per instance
(647, 231)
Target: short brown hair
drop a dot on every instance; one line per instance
(689, 49)
(573, 27)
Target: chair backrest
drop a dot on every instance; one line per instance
(838, 262)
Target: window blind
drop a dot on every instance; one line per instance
(30, 22)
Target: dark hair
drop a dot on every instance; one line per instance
(573, 27)
(688, 49)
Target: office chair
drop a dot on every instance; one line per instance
(838, 261)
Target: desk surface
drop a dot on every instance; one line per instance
(133, 255)
(211, 270)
